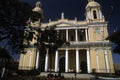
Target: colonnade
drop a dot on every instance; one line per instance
(56, 67)
(77, 60)
(98, 53)
(76, 34)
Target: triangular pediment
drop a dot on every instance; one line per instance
(62, 24)
(59, 24)
(67, 23)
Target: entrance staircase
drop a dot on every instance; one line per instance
(69, 75)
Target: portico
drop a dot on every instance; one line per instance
(73, 59)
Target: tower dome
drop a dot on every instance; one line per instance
(93, 4)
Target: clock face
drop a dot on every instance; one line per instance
(97, 30)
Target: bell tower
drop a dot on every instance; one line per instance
(93, 12)
(98, 32)
(37, 15)
(97, 21)
(29, 58)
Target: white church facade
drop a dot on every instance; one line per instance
(88, 51)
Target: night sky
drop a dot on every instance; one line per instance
(52, 9)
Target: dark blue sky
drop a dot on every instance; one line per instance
(76, 8)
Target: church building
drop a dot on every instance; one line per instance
(89, 50)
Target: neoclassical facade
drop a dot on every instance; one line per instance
(88, 50)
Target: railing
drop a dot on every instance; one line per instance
(89, 44)
(106, 71)
(108, 78)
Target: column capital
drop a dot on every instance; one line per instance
(109, 48)
(67, 49)
(105, 53)
(87, 49)
(96, 49)
(97, 53)
(77, 49)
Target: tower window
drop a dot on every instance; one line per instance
(94, 14)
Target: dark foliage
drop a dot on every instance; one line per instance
(35, 16)
(115, 38)
(13, 13)
(49, 38)
(13, 17)
(4, 54)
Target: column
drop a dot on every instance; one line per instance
(23, 66)
(76, 35)
(106, 61)
(87, 17)
(89, 14)
(86, 34)
(29, 67)
(67, 35)
(37, 60)
(100, 14)
(66, 61)
(46, 60)
(88, 60)
(56, 61)
(97, 59)
(77, 61)
(89, 35)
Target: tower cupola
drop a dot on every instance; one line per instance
(93, 11)
(37, 15)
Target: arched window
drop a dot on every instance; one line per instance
(94, 14)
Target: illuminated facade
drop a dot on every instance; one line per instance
(88, 48)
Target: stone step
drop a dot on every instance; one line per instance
(69, 75)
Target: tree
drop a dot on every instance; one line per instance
(13, 17)
(50, 39)
(5, 58)
(40, 39)
(115, 38)
(4, 54)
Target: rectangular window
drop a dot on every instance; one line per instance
(81, 35)
(71, 35)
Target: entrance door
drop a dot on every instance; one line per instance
(83, 67)
(62, 64)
